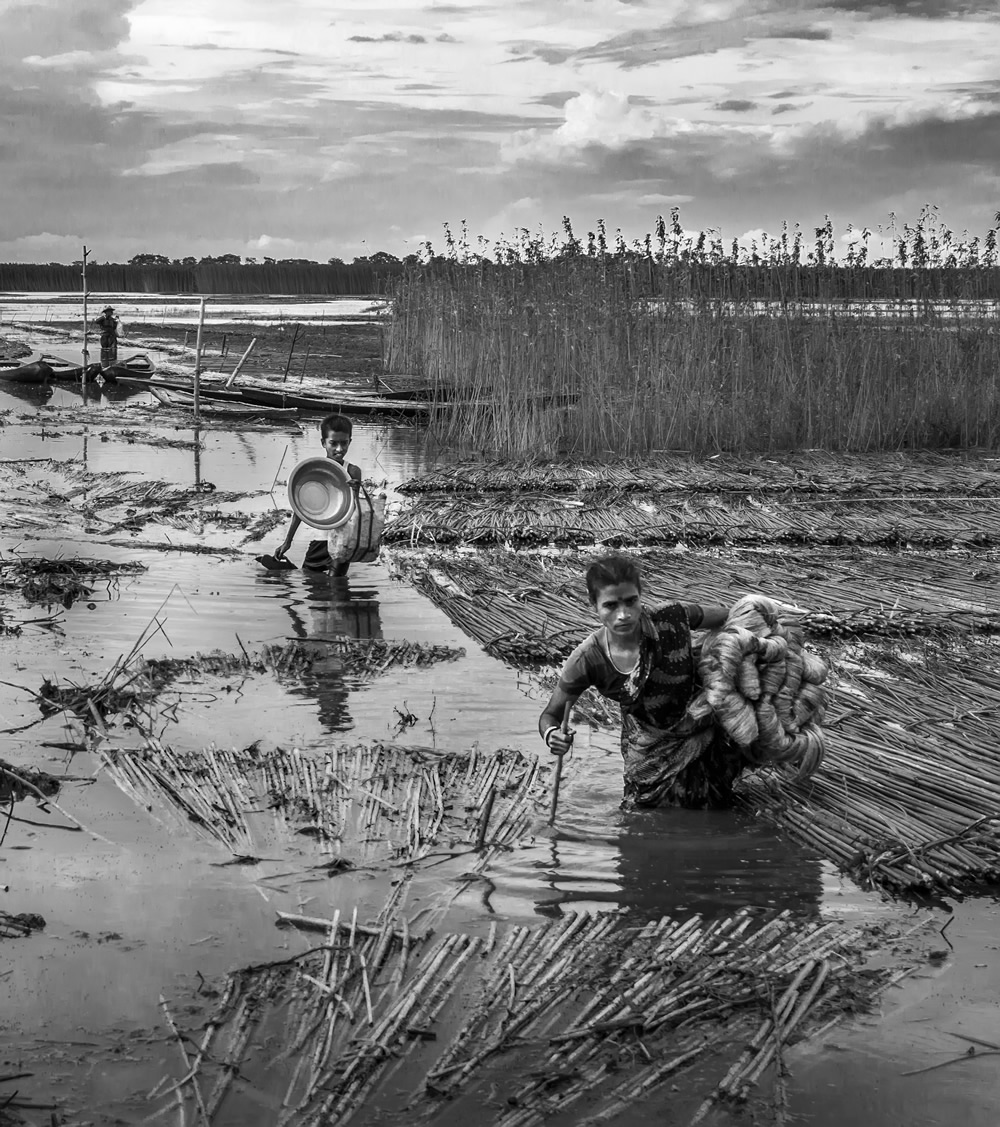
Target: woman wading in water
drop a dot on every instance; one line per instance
(642, 658)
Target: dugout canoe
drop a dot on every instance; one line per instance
(206, 391)
(46, 368)
(346, 405)
(172, 397)
(137, 365)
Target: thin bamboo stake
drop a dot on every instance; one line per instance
(559, 764)
(231, 379)
(197, 362)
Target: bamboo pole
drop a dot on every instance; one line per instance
(242, 360)
(86, 328)
(197, 363)
(559, 765)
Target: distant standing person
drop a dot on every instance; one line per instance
(111, 329)
(335, 433)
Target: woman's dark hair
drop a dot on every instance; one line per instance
(609, 571)
(335, 424)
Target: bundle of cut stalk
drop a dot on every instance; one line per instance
(765, 690)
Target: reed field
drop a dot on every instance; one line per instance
(677, 342)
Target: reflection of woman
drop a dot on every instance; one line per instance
(678, 862)
(335, 611)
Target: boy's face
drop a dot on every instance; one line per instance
(618, 607)
(335, 444)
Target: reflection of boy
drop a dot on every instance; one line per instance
(335, 434)
(642, 658)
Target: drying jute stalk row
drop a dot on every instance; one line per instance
(919, 472)
(363, 803)
(589, 1007)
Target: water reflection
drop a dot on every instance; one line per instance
(323, 609)
(679, 862)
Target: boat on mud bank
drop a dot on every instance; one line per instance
(44, 368)
(254, 395)
(183, 400)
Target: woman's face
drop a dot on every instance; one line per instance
(618, 607)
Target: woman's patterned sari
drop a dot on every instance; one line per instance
(672, 756)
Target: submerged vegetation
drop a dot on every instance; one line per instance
(677, 341)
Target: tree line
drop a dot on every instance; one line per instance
(227, 273)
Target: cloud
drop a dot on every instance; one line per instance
(916, 9)
(388, 37)
(736, 105)
(555, 98)
(43, 247)
(807, 33)
(601, 119)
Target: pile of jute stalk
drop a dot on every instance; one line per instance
(763, 688)
(380, 802)
(617, 519)
(586, 1006)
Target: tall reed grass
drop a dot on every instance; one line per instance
(560, 347)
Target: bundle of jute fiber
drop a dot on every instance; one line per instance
(764, 689)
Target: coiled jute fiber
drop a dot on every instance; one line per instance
(764, 689)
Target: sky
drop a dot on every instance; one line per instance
(319, 128)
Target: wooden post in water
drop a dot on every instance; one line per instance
(197, 364)
(288, 362)
(86, 353)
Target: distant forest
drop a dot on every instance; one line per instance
(155, 273)
(923, 261)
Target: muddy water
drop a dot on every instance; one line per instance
(148, 906)
(662, 861)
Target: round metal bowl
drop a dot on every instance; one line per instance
(320, 493)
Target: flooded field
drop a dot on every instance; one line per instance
(146, 910)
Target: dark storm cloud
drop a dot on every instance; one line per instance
(544, 51)
(736, 105)
(556, 98)
(243, 50)
(919, 9)
(808, 33)
(388, 37)
(43, 29)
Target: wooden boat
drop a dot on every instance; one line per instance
(136, 365)
(269, 397)
(36, 368)
(46, 368)
(346, 405)
(206, 391)
(172, 397)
